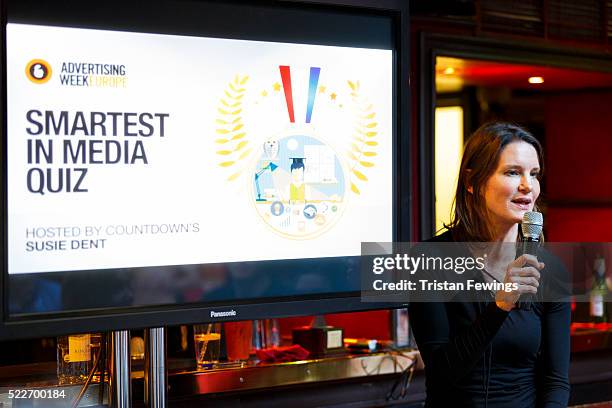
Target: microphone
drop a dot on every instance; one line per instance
(531, 227)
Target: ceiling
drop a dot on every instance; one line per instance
(452, 74)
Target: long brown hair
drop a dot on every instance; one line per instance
(480, 160)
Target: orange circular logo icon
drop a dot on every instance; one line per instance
(38, 71)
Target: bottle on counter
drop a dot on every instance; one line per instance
(75, 357)
(599, 290)
(266, 334)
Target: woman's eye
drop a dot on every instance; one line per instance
(536, 174)
(512, 173)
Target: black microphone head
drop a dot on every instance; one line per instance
(532, 225)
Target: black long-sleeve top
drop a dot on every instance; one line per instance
(478, 355)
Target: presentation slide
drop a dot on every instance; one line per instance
(132, 150)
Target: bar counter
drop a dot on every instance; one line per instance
(351, 380)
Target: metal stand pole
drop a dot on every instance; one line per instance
(155, 373)
(120, 376)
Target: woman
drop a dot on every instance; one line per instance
(491, 353)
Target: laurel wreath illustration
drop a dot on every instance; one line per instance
(233, 148)
(363, 146)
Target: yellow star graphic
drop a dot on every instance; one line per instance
(276, 86)
(333, 96)
(264, 93)
(321, 89)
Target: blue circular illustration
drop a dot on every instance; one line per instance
(310, 211)
(277, 208)
(296, 179)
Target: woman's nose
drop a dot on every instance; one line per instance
(525, 185)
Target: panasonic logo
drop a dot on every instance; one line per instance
(222, 314)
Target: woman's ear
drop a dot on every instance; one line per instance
(468, 180)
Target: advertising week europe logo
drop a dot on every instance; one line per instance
(38, 71)
(79, 74)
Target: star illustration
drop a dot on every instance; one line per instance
(333, 96)
(276, 86)
(264, 93)
(321, 89)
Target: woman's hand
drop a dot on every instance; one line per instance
(524, 271)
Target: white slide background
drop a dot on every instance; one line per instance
(183, 182)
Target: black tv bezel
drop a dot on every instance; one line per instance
(45, 325)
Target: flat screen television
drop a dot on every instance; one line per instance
(183, 161)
